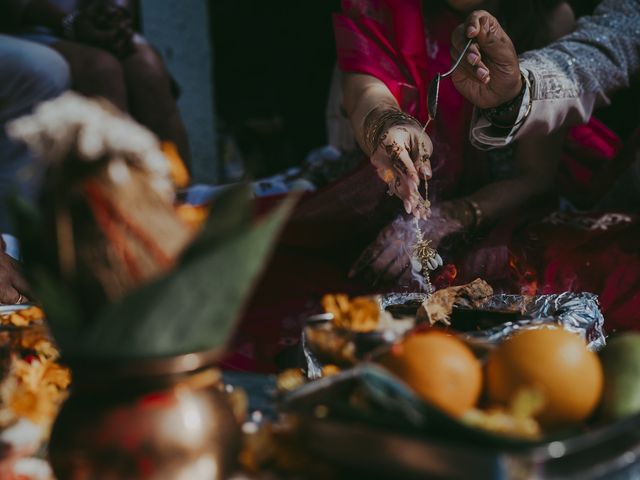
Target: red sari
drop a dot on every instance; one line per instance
(386, 39)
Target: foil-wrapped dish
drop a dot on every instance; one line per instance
(344, 418)
(469, 368)
(350, 329)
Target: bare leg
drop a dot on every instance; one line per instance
(151, 99)
(95, 72)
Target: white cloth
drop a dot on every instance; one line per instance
(12, 246)
(573, 75)
(483, 135)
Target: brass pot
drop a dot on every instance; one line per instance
(158, 419)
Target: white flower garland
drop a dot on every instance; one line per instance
(91, 130)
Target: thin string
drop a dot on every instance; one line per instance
(426, 124)
(422, 249)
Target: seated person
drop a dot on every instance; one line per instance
(107, 59)
(29, 74)
(13, 287)
(473, 192)
(528, 251)
(331, 226)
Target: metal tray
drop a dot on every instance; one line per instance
(401, 437)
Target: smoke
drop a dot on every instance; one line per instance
(389, 259)
(435, 228)
(418, 275)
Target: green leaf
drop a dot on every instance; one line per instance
(196, 306)
(59, 303)
(230, 212)
(40, 265)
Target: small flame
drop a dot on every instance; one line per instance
(446, 276)
(524, 274)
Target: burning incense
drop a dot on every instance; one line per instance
(422, 250)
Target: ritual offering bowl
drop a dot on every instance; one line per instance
(164, 418)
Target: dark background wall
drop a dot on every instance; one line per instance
(273, 63)
(272, 67)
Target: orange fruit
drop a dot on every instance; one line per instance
(555, 362)
(440, 368)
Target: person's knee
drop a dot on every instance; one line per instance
(146, 67)
(102, 67)
(54, 70)
(100, 74)
(36, 73)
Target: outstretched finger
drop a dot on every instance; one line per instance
(401, 160)
(420, 150)
(421, 210)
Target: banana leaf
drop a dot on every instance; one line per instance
(193, 308)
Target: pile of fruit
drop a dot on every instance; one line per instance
(534, 383)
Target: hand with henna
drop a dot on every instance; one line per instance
(400, 154)
(388, 258)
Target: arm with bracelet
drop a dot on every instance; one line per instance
(396, 143)
(564, 81)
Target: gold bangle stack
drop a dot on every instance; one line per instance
(377, 122)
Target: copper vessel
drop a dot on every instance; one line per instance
(160, 419)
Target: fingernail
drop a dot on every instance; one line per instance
(482, 73)
(407, 206)
(473, 58)
(471, 30)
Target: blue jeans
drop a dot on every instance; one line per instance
(29, 74)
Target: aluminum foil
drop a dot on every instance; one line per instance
(313, 365)
(398, 299)
(575, 312)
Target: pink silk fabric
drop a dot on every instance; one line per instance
(398, 43)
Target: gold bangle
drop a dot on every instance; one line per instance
(376, 123)
(476, 212)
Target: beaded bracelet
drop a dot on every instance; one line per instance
(508, 107)
(476, 212)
